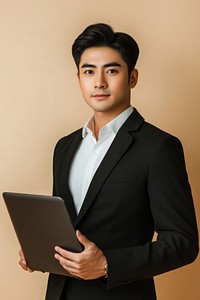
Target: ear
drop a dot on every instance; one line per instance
(133, 78)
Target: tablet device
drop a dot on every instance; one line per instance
(41, 223)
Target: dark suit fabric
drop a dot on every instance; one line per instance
(140, 187)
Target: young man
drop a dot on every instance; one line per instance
(122, 179)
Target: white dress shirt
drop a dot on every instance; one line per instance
(90, 154)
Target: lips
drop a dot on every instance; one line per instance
(100, 96)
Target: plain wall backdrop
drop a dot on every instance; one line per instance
(40, 102)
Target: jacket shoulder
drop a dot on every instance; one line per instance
(155, 134)
(66, 140)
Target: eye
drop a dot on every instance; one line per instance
(88, 72)
(112, 71)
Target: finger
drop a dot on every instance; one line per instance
(23, 263)
(24, 266)
(21, 254)
(22, 260)
(66, 262)
(72, 271)
(68, 265)
(64, 253)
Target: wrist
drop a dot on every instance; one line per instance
(106, 270)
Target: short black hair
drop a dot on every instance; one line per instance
(99, 35)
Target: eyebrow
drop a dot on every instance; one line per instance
(111, 64)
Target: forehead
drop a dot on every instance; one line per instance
(101, 56)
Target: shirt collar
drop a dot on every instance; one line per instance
(113, 125)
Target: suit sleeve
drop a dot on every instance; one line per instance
(174, 221)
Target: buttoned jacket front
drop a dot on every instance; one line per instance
(140, 187)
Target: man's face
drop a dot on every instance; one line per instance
(104, 80)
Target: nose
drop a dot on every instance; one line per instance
(100, 80)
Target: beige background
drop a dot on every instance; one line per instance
(40, 102)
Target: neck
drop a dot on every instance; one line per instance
(98, 124)
(102, 118)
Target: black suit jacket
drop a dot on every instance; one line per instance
(140, 187)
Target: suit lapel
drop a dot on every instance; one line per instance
(66, 164)
(117, 149)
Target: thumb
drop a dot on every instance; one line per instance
(82, 239)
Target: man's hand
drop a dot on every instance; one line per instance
(87, 265)
(22, 262)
